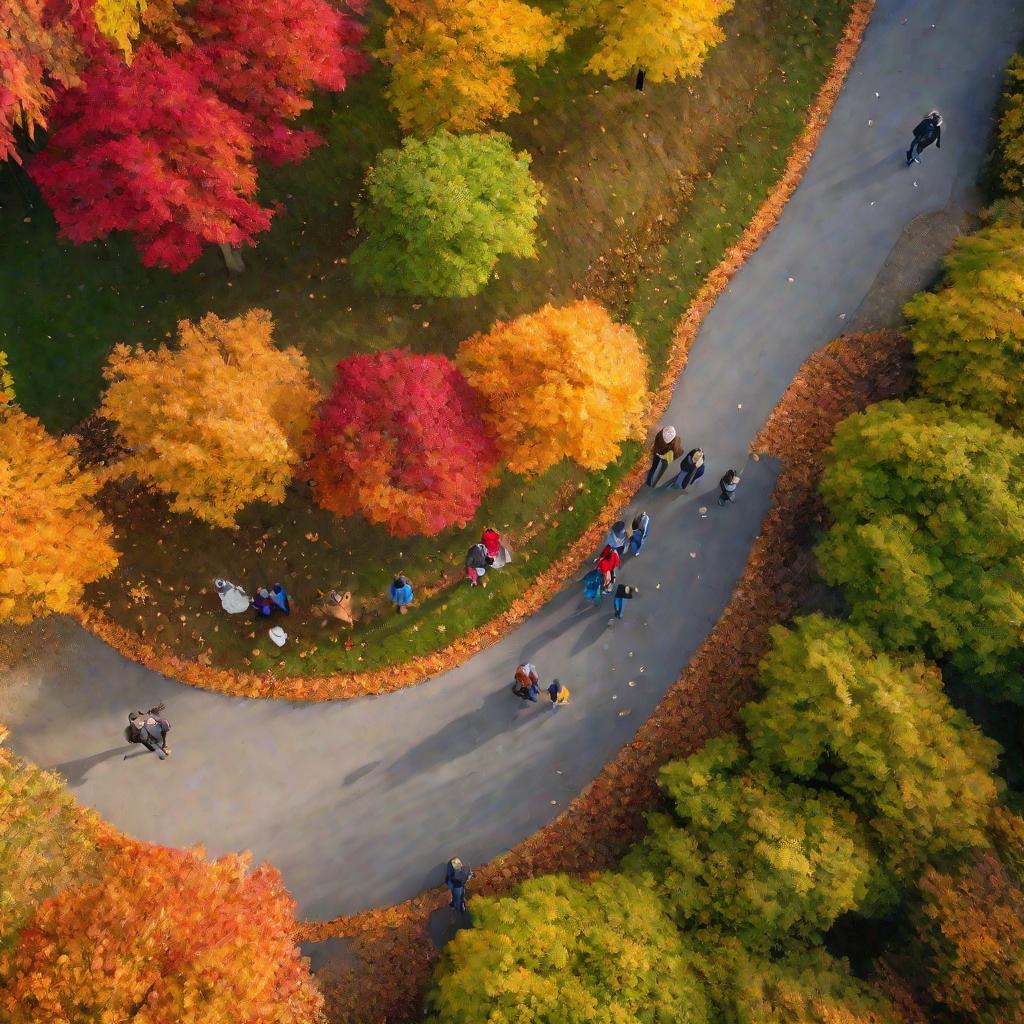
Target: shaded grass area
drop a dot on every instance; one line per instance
(645, 194)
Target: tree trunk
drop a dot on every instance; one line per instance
(232, 258)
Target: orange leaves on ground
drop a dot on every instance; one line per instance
(217, 422)
(163, 938)
(561, 382)
(451, 59)
(53, 540)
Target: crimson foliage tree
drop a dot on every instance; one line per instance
(263, 57)
(144, 148)
(400, 439)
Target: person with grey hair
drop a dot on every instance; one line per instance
(927, 132)
(147, 728)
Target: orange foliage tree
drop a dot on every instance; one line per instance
(216, 423)
(163, 938)
(450, 59)
(53, 541)
(561, 382)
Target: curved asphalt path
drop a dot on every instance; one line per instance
(360, 803)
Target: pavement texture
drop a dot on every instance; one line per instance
(361, 803)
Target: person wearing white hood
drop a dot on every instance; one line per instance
(666, 449)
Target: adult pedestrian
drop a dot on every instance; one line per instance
(607, 563)
(666, 448)
(623, 593)
(401, 593)
(558, 694)
(617, 537)
(456, 877)
(149, 729)
(691, 469)
(526, 683)
(638, 536)
(727, 485)
(477, 561)
(927, 131)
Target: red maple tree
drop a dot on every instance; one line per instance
(264, 57)
(400, 439)
(142, 147)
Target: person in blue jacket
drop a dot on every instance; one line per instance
(401, 593)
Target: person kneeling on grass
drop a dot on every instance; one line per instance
(527, 683)
(558, 693)
(401, 593)
(477, 561)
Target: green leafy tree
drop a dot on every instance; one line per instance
(969, 927)
(929, 534)
(969, 337)
(802, 987)
(751, 854)
(882, 731)
(561, 950)
(1010, 151)
(46, 841)
(439, 213)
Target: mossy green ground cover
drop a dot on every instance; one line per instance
(645, 192)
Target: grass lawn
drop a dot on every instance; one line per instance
(645, 192)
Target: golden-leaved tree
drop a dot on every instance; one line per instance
(217, 422)
(450, 59)
(53, 540)
(561, 382)
(669, 39)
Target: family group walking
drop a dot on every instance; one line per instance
(667, 448)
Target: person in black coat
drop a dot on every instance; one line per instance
(691, 468)
(927, 132)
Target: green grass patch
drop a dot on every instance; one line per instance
(611, 161)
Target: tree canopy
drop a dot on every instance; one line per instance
(438, 213)
(53, 540)
(969, 336)
(564, 382)
(451, 59)
(217, 422)
(401, 440)
(561, 950)
(929, 534)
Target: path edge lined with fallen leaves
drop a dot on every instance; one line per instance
(599, 824)
(349, 685)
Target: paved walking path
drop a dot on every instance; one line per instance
(361, 803)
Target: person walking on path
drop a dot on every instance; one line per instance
(623, 593)
(527, 682)
(617, 537)
(607, 562)
(691, 469)
(148, 728)
(457, 877)
(477, 561)
(728, 485)
(927, 132)
(401, 593)
(558, 693)
(641, 527)
(666, 449)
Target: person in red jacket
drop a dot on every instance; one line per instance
(607, 562)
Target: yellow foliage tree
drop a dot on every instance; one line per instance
(668, 39)
(6, 382)
(219, 421)
(560, 382)
(1011, 128)
(53, 540)
(450, 59)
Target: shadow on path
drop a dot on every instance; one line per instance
(76, 771)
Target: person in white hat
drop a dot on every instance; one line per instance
(666, 449)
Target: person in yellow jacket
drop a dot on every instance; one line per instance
(558, 693)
